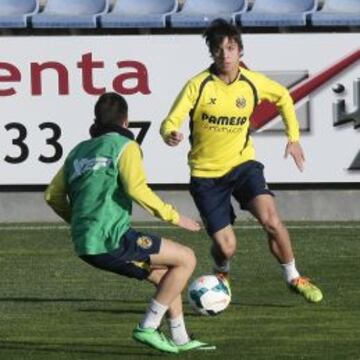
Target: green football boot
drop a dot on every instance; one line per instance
(309, 291)
(195, 345)
(155, 339)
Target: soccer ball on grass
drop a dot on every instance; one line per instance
(209, 295)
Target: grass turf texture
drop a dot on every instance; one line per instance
(54, 306)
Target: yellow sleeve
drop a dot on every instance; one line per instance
(181, 108)
(133, 178)
(279, 95)
(56, 196)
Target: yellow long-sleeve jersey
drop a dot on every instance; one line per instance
(133, 180)
(220, 118)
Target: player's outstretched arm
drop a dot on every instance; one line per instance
(295, 150)
(188, 223)
(133, 179)
(274, 92)
(179, 111)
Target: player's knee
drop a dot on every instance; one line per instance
(191, 259)
(188, 258)
(225, 244)
(227, 249)
(271, 223)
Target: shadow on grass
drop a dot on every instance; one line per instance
(124, 304)
(188, 313)
(125, 311)
(266, 305)
(73, 348)
(40, 300)
(114, 312)
(35, 299)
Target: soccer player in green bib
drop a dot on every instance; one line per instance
(220, 101)
(94, 191)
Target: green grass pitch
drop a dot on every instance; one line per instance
(55, 307)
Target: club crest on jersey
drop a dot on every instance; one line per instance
(144, 242)
(240, 102)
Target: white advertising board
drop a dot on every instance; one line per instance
(49, 85)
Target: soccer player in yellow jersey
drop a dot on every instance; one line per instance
(93, 192)
(220, 101)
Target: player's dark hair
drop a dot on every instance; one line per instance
(111, 108)
(217, 31)
(111, 111)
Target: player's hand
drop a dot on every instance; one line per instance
(174, 138)
(188, 224)
(295, 150)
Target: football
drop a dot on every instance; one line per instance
(209, 295)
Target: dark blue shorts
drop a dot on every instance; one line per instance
(131, 259)
(212, 196)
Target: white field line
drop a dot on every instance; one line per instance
(245, 227)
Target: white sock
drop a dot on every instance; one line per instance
(178, 331)
(290, 271)
(154, 315)
(224, 268)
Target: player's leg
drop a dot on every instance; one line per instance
(175, 317)
(133, 259)
(254, 195)
(222, 250)
(180, 262)
(213, 201)
(264, 209)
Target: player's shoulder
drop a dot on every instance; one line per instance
(253, 76)
(131, 148)
(133, 143)
(199, 78)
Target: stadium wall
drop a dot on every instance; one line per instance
(303, 204)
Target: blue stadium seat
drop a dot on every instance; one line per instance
(338, 13)
(278, 13)
(70, 14)
(139, 14)
(200, 13)
(15, 13)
